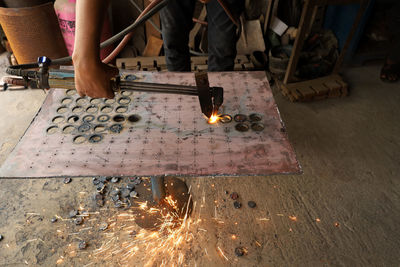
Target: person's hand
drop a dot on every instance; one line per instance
(93, 78)
(204, 1)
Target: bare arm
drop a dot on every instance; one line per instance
(92, 77)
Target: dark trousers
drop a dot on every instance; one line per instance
(394, 52)
(176, 22)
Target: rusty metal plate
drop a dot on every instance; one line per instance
(166, 134)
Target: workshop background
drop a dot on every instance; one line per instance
(322, 62)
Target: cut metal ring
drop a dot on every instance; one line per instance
(84, 128)
(225, 118)
(240, 118)
(242, 127)
(116, 128)
(257, 127)
(255, 117)
(103, 118)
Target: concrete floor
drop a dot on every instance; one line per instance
(343, 211)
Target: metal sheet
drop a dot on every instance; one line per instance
(171, 138)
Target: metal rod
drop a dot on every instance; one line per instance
(158, 85)
(158, 90)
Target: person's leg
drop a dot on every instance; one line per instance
(222, 35)
(391, 70)
(176, 22)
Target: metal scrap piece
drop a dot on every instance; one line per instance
(73, 213)
(103, 226)
(82, 245)
(78, 220)
(237, 204)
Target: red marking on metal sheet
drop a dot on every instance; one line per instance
(172, 137)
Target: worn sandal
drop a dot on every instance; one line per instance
(390, 72)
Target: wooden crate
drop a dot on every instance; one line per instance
(326, 87)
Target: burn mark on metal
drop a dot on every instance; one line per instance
(134, 118)
(119, 118)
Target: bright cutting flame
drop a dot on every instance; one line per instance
(213, 119)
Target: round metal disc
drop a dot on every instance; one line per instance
(240, 118)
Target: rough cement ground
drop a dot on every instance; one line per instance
(343, 211)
